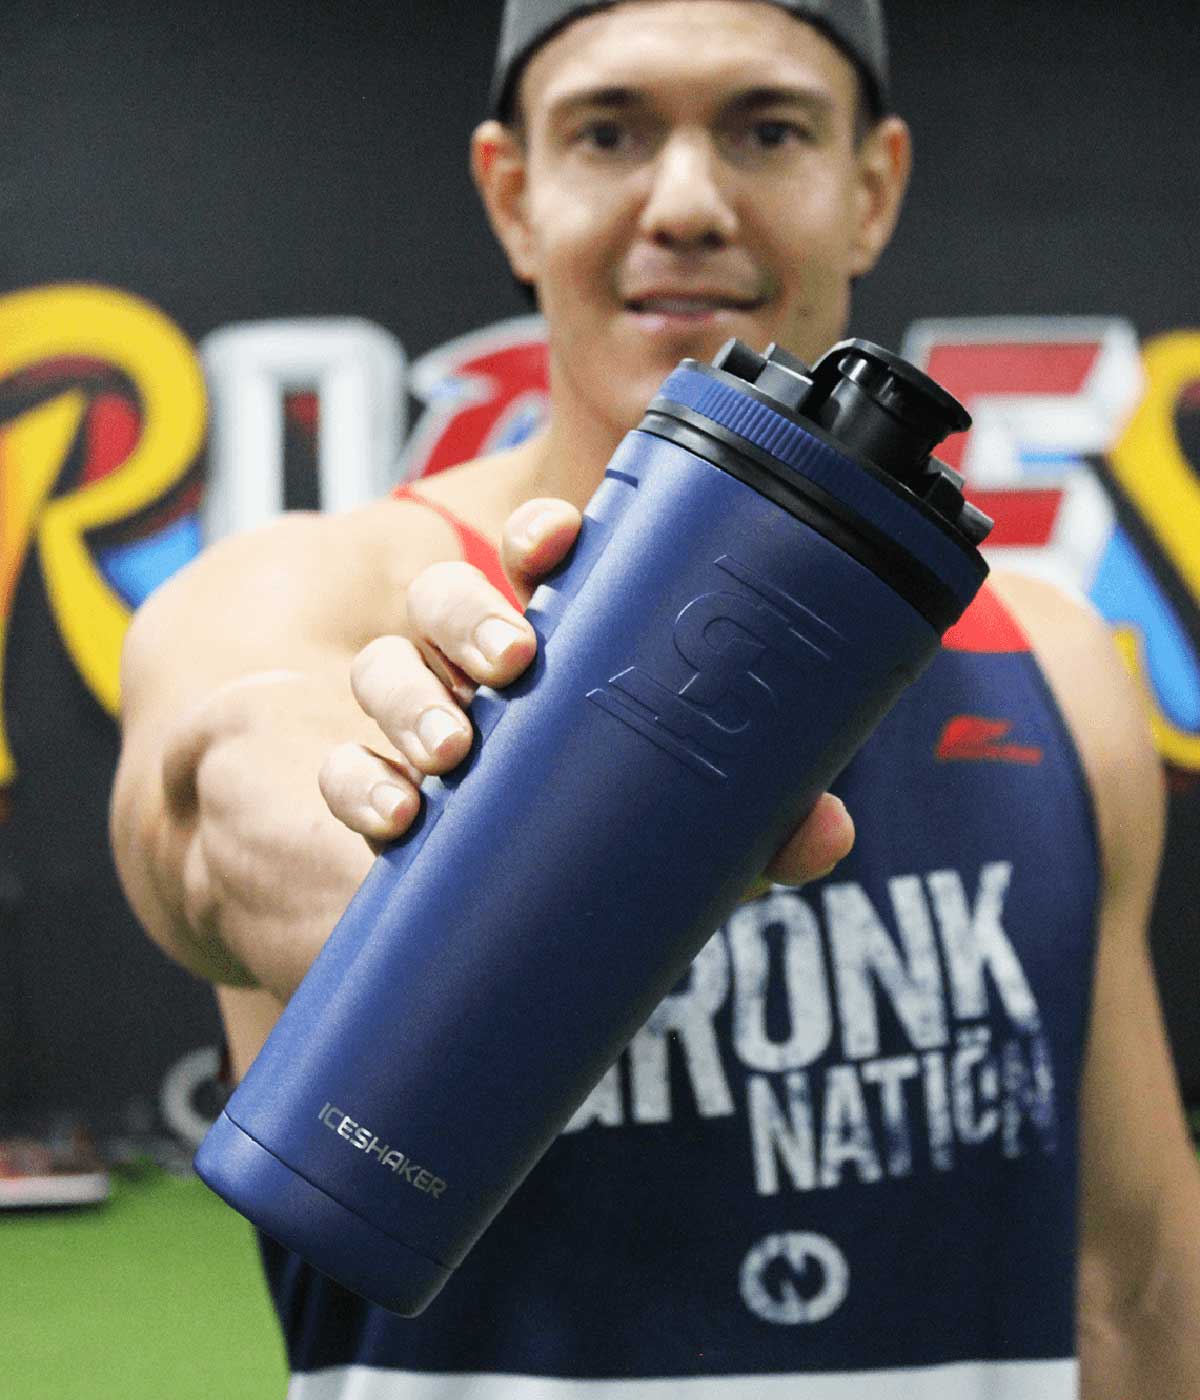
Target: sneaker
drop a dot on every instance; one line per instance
(62, 1170)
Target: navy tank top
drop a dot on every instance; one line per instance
(841, 1158)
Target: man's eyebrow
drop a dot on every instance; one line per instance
(814, 100)
(614, 97)
(609, 96)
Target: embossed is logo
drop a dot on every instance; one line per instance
(726, 637)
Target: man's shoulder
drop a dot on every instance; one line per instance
(305, 557)
(386, 541)
(1075, 648)
(321, 575)
(1071, 641)
(1099, 698)
(1050, 615)
(479, 494)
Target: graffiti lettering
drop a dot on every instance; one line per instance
(1150, 466)
(357, 371)
(94, 324)
(483, 392)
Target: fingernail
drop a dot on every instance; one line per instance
(388, 799)
(434, 727)
(537, 526)
(494, 636)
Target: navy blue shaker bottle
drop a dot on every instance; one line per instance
(771, 558)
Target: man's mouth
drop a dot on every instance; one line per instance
(688, 306)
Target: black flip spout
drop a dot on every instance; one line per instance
(877, 407)
(881, 406)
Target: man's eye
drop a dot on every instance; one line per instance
(770, 135)
(604, 136)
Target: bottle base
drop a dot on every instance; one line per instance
(306, 1220)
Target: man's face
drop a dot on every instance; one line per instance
(690, 173)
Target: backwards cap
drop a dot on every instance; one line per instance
(855, 26)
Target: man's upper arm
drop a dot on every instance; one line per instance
(1140, 1185)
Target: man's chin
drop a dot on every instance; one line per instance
(643, 360)
(668, 339)
(656, 367)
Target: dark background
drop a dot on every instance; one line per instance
(236, 162)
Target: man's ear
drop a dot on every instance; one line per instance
(884, 159)
(498, 168)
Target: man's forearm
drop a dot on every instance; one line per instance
(1139, 1336)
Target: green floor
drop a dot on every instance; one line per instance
(156, 1296)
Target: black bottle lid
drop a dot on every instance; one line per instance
(875, 406)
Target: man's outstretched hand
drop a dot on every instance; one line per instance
(462, 633)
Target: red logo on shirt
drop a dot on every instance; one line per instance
(973, 737)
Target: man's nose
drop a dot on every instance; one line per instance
(687, 205)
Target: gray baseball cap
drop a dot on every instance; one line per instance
(855, 26)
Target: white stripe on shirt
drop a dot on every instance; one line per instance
(973, 1380)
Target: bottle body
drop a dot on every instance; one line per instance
(707, 664)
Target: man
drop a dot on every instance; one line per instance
(846, 1155)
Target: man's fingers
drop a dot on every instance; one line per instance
(536, 537)
(456, 616)
(462, 632)
(416, 712)
(814, 848)
(368, 793)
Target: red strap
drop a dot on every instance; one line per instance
(476, 548)
(987, 625)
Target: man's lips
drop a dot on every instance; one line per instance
(688, 304)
